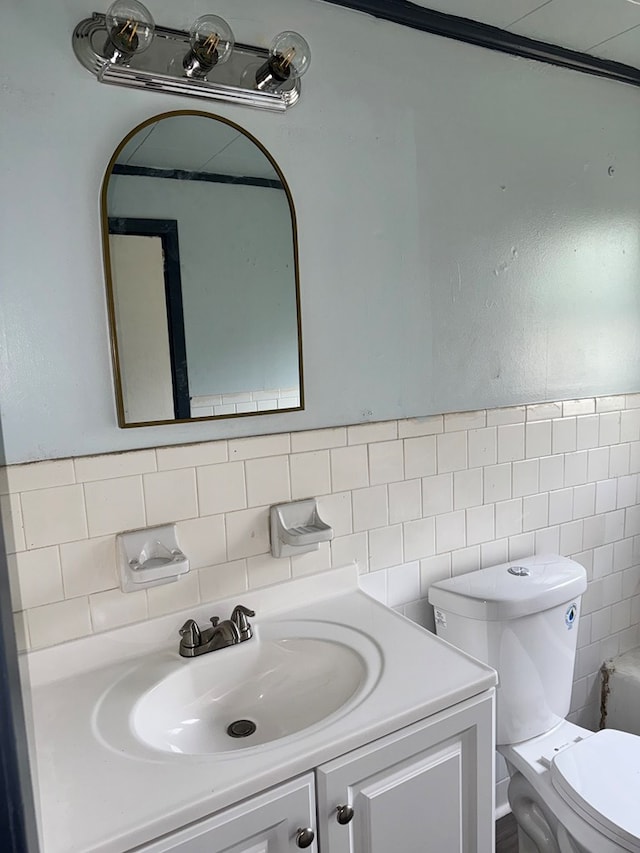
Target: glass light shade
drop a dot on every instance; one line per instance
(289, 55)
(130, 26)
(212, 40)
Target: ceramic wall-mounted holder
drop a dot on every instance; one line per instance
(297, 528)
(150, 557)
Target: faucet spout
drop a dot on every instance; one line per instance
(222, 634)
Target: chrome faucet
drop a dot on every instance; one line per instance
(229, 632)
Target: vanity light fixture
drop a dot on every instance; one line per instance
(289, 58)
(125, 48)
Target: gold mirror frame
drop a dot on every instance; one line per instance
(106, 254)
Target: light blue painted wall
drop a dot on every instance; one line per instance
(238, 278)
(462, 241)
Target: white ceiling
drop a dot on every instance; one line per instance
(609, 29)
(196, 145)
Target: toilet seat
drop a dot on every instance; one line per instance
(534, 759)
(599, 777)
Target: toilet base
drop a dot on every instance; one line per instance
(539, 831)
(525, 844)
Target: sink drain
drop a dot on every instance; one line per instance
(241, 728)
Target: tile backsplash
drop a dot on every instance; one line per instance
(412, 501)
(245, 401)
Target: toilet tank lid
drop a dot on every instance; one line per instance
(495, 593)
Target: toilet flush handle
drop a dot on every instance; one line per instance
(519, 571)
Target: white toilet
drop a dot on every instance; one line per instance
(571, 791)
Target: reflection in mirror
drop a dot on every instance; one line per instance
(202, 275)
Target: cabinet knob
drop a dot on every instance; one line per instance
(344, 815)
(304, 837)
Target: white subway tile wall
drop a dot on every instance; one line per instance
(411, 501)
(245, 401)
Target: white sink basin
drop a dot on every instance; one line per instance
(292, 675)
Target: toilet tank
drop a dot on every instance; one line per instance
(522, 619)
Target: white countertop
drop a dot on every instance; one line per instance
(99, 793)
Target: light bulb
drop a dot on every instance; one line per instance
(289, 58)
(130, 27)
(290, 55)
(212, 42)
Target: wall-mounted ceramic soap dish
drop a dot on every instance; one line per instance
(297, 528)
(150, 557)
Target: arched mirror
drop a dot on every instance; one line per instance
(201, 263)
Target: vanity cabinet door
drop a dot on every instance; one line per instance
(425, 789)
(268, 823)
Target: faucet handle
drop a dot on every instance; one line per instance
(190, 634)
(239, 618)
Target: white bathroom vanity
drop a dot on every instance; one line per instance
(371, 734)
